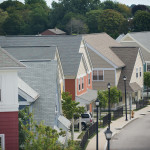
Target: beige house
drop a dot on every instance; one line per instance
(111, 62)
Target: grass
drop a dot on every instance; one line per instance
(81, 135)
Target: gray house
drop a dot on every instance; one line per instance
(39, 86)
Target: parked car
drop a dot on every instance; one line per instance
(86, 121)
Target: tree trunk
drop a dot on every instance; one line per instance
(147, 92)
(72, 129)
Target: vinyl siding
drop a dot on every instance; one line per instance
(82, 50)
(127, 38)
(138, 64)
(109, 77)
(118, 73)
(97, 61)
(81, 70)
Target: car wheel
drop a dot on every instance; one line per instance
(83, 126)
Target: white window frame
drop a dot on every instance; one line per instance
(89, 79)
(82, 83)
(140, 72)
(98, 75)
(79, 84)
(137, 73)
(2, 141)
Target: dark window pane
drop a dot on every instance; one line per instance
(95, 75)
(148, 67)
(100, 75)
(84, 115)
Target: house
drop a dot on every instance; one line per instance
(73, 61)
(9, 126)
(109, 66)
(39, 86)
(139, 39)
(133, 70)
(54, 31)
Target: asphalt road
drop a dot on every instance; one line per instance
(134, 136)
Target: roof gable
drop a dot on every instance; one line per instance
(7, 61)
(101, 43)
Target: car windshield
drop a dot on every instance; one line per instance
(85, 115)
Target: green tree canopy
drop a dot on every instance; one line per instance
(135, 8)
(111, 22)
(70, 107)
(141, 21)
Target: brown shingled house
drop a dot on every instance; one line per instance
(111, 62)
(54, 31)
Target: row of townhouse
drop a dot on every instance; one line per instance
(79, 64)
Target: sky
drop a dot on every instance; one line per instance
(127, 2)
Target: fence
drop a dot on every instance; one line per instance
(141, 104)
(118, 113)
(89, 132)
(105, 119)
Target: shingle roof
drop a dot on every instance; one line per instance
(67, 46)
(87, 97)
(32, 52)
(7, 61)
(145, 53)
(42, 77)
(102, 43)
(57, 31)
(128, 55)
(142, 37)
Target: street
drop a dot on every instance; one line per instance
(134, 136)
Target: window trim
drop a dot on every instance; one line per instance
(3, 141)
(137, 73)
(82, 83)
(89, 79)
(140, 71)
(79, 84)
(98, 75)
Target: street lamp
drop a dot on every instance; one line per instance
(109, 115)
(125, 78)
(108, 135)
(97, 105)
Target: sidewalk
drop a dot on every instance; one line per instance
(115, 127)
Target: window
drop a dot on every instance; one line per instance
(82, 83)
(148, 66)
(98, 75)
(140, 71)
(136, 72)
(2, 141)
(79, 84)
(84, 115)
(89, 79)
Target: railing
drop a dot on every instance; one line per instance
(141, 104)
(106, 118)
(89, 132)
(118, 113)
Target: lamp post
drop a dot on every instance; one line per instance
(109, 115)
(125, 78)
(97, 105)
(108, 135)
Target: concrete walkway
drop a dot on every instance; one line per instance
(115, 127)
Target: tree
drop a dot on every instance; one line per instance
(139, 7)
(36, 136)
(111, 22)
(42, 2)
(92, 20)
(141, 21)
(147, 80)
(70, 108)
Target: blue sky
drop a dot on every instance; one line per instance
(127, 2)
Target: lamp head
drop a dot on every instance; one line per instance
(124, 78)
(108, 134)
(108, 85)
(97, 102)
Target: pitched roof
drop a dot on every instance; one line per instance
(32, 52)
(145, 53)
(102, 43)
(57, 31)
(36, 76)
(68, 47)
(128, 55)
(7, 61)
(142, 37)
